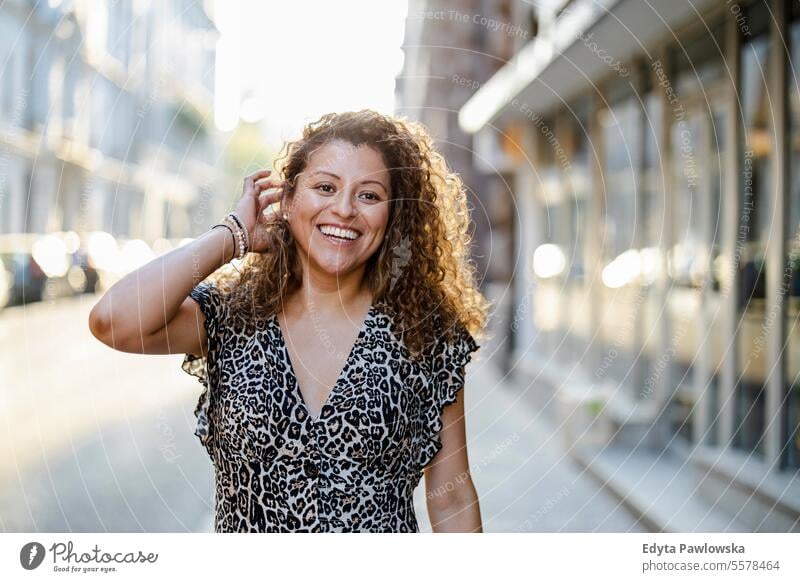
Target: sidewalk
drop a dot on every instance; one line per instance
(525, 480)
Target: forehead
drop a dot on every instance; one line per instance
(348, 161)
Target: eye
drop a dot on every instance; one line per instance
(371, 196)
(321, 186)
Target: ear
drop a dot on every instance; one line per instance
(287, 200)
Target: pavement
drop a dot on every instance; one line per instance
(525, 478)
(94, 440)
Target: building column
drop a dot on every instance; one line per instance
(731, 245)
(526, 238)
(777, 283)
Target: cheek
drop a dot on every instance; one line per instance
(378, 219)
(303, 208)
(304, 204)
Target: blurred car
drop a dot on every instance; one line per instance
(38, 267)
(45, 266)
(26, 277)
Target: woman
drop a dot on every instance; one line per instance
(333, 360)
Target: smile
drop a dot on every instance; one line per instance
(337, 235)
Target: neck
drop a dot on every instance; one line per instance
(322, 291)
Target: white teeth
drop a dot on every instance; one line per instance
(339, 232)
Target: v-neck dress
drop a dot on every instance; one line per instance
(354, 468)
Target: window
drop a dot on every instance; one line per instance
(652, 221)
(621, 307)
(756, 152)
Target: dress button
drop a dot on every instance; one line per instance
(311, 469)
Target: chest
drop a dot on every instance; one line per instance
(376, 396)
(317, 353)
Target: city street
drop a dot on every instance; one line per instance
(605, 194)
(98, 440)
(94, 439)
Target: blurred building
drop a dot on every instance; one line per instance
(451, 48)
(106, 118)
(653, 153)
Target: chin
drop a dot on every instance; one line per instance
(334, 265)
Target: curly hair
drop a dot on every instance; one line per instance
(421, 271)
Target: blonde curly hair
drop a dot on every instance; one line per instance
(422, 270)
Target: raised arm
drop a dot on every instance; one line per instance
(149, 311)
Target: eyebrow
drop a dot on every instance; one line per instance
(379, 183)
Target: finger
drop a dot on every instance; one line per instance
(270, 183)
(269, 190)
(250, 181)
(260, 174)
(269, 198)
(266, 198)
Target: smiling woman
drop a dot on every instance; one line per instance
(333, 362)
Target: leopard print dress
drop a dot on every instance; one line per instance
(354, 468)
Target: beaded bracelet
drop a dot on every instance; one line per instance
(238, 245)
(236, 217)
(241, 247)
(241, 233)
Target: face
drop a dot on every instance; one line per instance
(340, 208)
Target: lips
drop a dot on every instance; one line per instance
(339, 234)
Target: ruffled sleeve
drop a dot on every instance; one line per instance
(448, 371)
(206, 367)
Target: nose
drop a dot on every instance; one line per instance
(343, 204)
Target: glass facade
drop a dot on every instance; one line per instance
(621, 300)
(697, 139)
(562, 146)
(667, 216)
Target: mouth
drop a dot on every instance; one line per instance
(340, 236)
